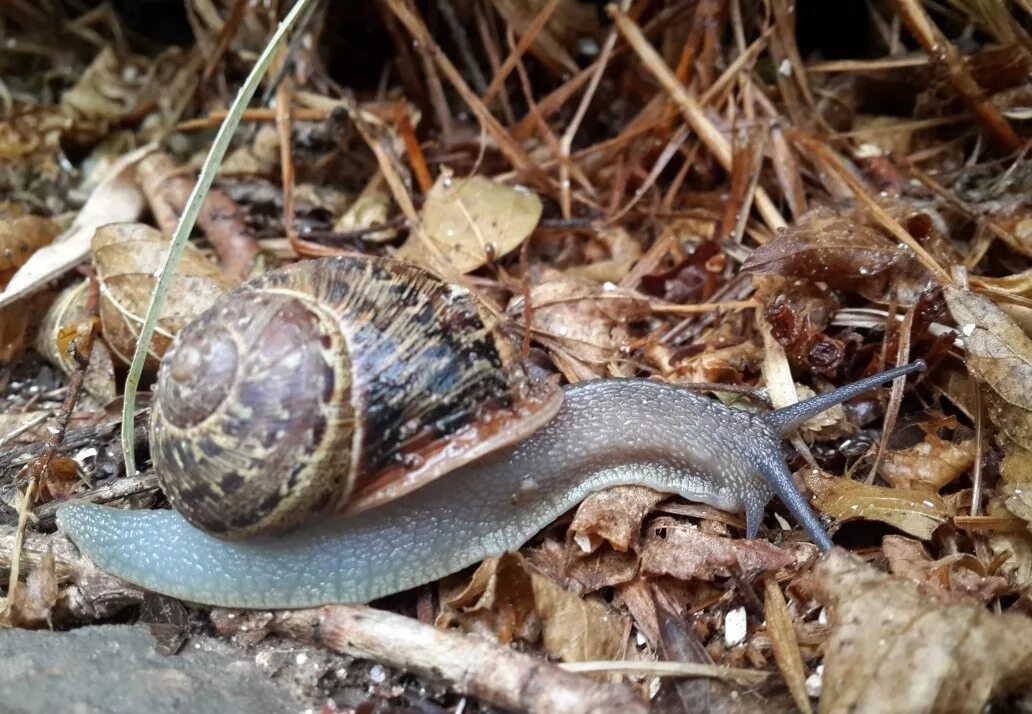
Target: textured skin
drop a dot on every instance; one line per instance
(607, 433)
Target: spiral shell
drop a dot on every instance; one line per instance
(332, 385)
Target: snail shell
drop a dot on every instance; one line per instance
(333, 385)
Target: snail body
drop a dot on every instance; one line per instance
(472, 470)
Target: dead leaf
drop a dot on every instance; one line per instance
(127, 257)
(60, 326)
(999, 354)
(505, 592)
(21, 236)
(783, 642)
(587, 321)
(19, 322)
(687, 553)
(621, 253)
(567, 564)
(917, 512)
(893, 649)
(34, 601)
(471, 222)
(115, 199)
(960, 577)
(933, 462)
(613, 516)
(575, 628)
(849, 251)
(20, 423)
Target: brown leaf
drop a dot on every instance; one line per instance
(892, 649)
(127, 256)
(998, 351)
(783, 642)
(62, 323)
(613, 515)
(688, 553)
(34, 601)
(917, 512)
(933, 462)
(567, 564)
(999, 354)
(508, 596)
(589, 322)
(848, 250)
(21, 236)
(575, 628)
(622, 251)
(959, 577)
(471, 222)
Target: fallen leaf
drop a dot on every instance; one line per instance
(567, 564)
(61, 325)
(115, 199)
(933, 462)
(848, 250)
(613, 516)
(471, 222)
(587, 321)
(999, 354)
(783, 642)
(687, 553)
(127, 257)
(917, 512)
(509, 595)
(21, 236)
(960, 577)
(34, 601)
(894, 649)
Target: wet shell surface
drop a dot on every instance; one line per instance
(332, 385)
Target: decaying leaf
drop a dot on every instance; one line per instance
(19, 322)
(61, 326)
(960, 577)
(21, 236)
(915, 511)
(471, 222)
(34, 601)
(613, 516)
(894, 649)
(506, 592)
(846, 250)
(622, 252)
(116, 198)
(127, 256)
(933, 462)
(688, 553)
(582, 572)
(1016, 482)
(588, 321)
(999, 354)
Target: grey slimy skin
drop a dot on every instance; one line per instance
(608, 432)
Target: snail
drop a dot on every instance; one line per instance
(347, 428)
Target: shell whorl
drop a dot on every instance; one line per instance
(304, 389)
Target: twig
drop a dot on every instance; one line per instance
(82, 346)
(516, 53)
(690, 108)
(404, 11)
(118, 488)
(747, 677)
(859, 191)
(186, 225)
(470, 665)
(943, 53)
